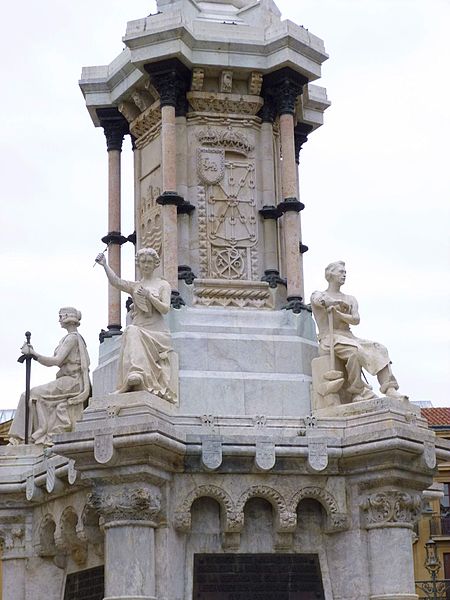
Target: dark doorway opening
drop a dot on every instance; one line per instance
(257, 577)
(85, 585)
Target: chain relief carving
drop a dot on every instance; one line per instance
(227, 212)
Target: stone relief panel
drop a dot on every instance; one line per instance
(227, 207)
(150, 213)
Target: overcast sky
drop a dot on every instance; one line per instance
(374, 178)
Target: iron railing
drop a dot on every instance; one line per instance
(433, 589)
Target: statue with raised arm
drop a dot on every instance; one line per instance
(334, 312)
(147, 360)
(55, 406)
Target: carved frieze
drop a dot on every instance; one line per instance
(391, 508)
(229, 293)
(244, 104)
(147, 120)
(125, 503)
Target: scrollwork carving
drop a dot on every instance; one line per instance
(125, 503)
(390, 508)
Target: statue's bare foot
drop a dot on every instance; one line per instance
(395, 394)
(14, 441)
(135, 381)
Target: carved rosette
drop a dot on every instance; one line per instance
(125, 503)
(391, 508)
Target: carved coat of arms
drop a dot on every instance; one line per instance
(103, 447)
(211, 164)
(211, 454)
(317, 455)
(265, 455)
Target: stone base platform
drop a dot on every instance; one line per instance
(233, 361)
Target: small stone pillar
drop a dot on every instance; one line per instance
(284, 86)
(128, 513)
(269, 212)
(301, 132)
(14, 561)
(390, 516)
(115, 127)
(170, 80)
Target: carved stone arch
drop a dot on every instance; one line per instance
(70, 539)
(91, 531)
(182, 517)
(46, 537)
(286, 519)
(336, 521)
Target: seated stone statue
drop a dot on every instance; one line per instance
(55, 406)
(334, 312)
(147, 360)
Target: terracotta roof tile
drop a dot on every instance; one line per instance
(436, 416)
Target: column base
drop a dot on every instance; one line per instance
(394, 597)
(170, 198)
(290, 204)
(296, 304)
(272, 276)
(186, 274)
(176, 301)
(112, 331)
(130, 598)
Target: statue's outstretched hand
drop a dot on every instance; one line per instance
(100, 259)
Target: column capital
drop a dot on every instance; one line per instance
(391, 508)
(171, 79)
(115, 127)
(120, 504)
(301, 132)
(268, 111)
(284, 86)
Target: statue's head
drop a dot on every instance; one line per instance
(335, 268)
(147, 255)
(68, 315)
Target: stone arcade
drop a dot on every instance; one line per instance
(230, 486)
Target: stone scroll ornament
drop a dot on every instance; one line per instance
(55, 407)
(392, 508)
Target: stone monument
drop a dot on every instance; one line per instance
(204, 473)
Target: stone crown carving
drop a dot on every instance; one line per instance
(225, 138)
(391, 508)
